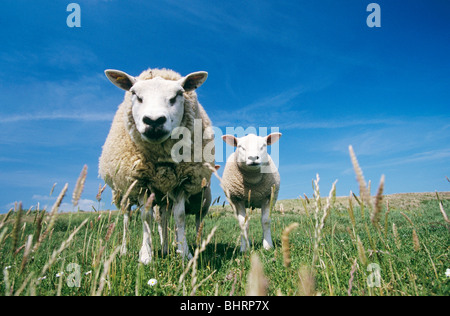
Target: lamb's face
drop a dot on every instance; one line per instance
(157, 104)
(251, 153)
(157, 107)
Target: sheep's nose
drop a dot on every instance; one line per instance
(253, 158)
(154, 121)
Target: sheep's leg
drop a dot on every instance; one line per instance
(145, 254)
(180, 217)
(162, 229)
(123, 248)
(164, 215)
(243, 223)
(265, 222)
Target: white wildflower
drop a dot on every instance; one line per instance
(152, 282)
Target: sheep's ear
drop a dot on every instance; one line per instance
(230, 140)
(121, 79)
(273, 138)
(193, 80)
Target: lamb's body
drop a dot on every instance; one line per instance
(127, 158)
(251, 179)
(239, 182)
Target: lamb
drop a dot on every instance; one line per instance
(251, 179)
(138, 159)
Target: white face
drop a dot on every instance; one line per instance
(157, 104)
(158, 107)
(251, 151)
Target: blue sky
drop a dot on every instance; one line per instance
(312, 68)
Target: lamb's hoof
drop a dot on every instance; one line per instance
(189, 256)
(267, 245)
(123, 250)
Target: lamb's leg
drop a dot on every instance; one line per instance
(180, 216)
(265, 222)
(145, 254)
(243, 223)
(123, 248)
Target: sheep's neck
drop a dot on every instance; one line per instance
(252, 177)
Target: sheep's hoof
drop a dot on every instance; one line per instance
(144, 256)
(123, 250)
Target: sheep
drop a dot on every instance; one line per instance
(251, 179)
(137, 159)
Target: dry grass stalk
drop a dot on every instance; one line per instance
(361, 252)
(2, 235)
(193, 262)
(282, 209)
(17, 222)
(10, 212)
(407, 218)
(352, 275)
(53, 213)
(199, 233)
(416, 241)
(63, 246)
(285, 244)
(53, 188)
(79, 186)
(307, 286)
(441, 208)
(125, 202)
(8, 287)
(257, 283)
(396, 239)
(364, 191)
(100, 192)
(105, 272)
(110, 231)
(320, 224)
(351, 213)
(27, 252)
(378, 203)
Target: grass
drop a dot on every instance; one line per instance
(338, 247)
(404, 270)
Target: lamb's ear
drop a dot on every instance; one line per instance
(194, 80)
(230, 140)
(121, 79)
(273, 138)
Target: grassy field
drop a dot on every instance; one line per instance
(339, 250)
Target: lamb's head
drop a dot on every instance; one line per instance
(251, 152)
(157, 103)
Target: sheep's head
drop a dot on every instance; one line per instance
(251, 152)
(157, 103)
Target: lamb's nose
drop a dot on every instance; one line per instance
(154, 121)
(253, 158)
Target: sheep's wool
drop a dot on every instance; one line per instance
(126, 157)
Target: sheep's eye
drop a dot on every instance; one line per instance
(174, 99)
(137, 97)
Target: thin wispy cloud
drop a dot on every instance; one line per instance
(84, 117)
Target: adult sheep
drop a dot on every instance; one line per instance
(251, 179)
(138, 157)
